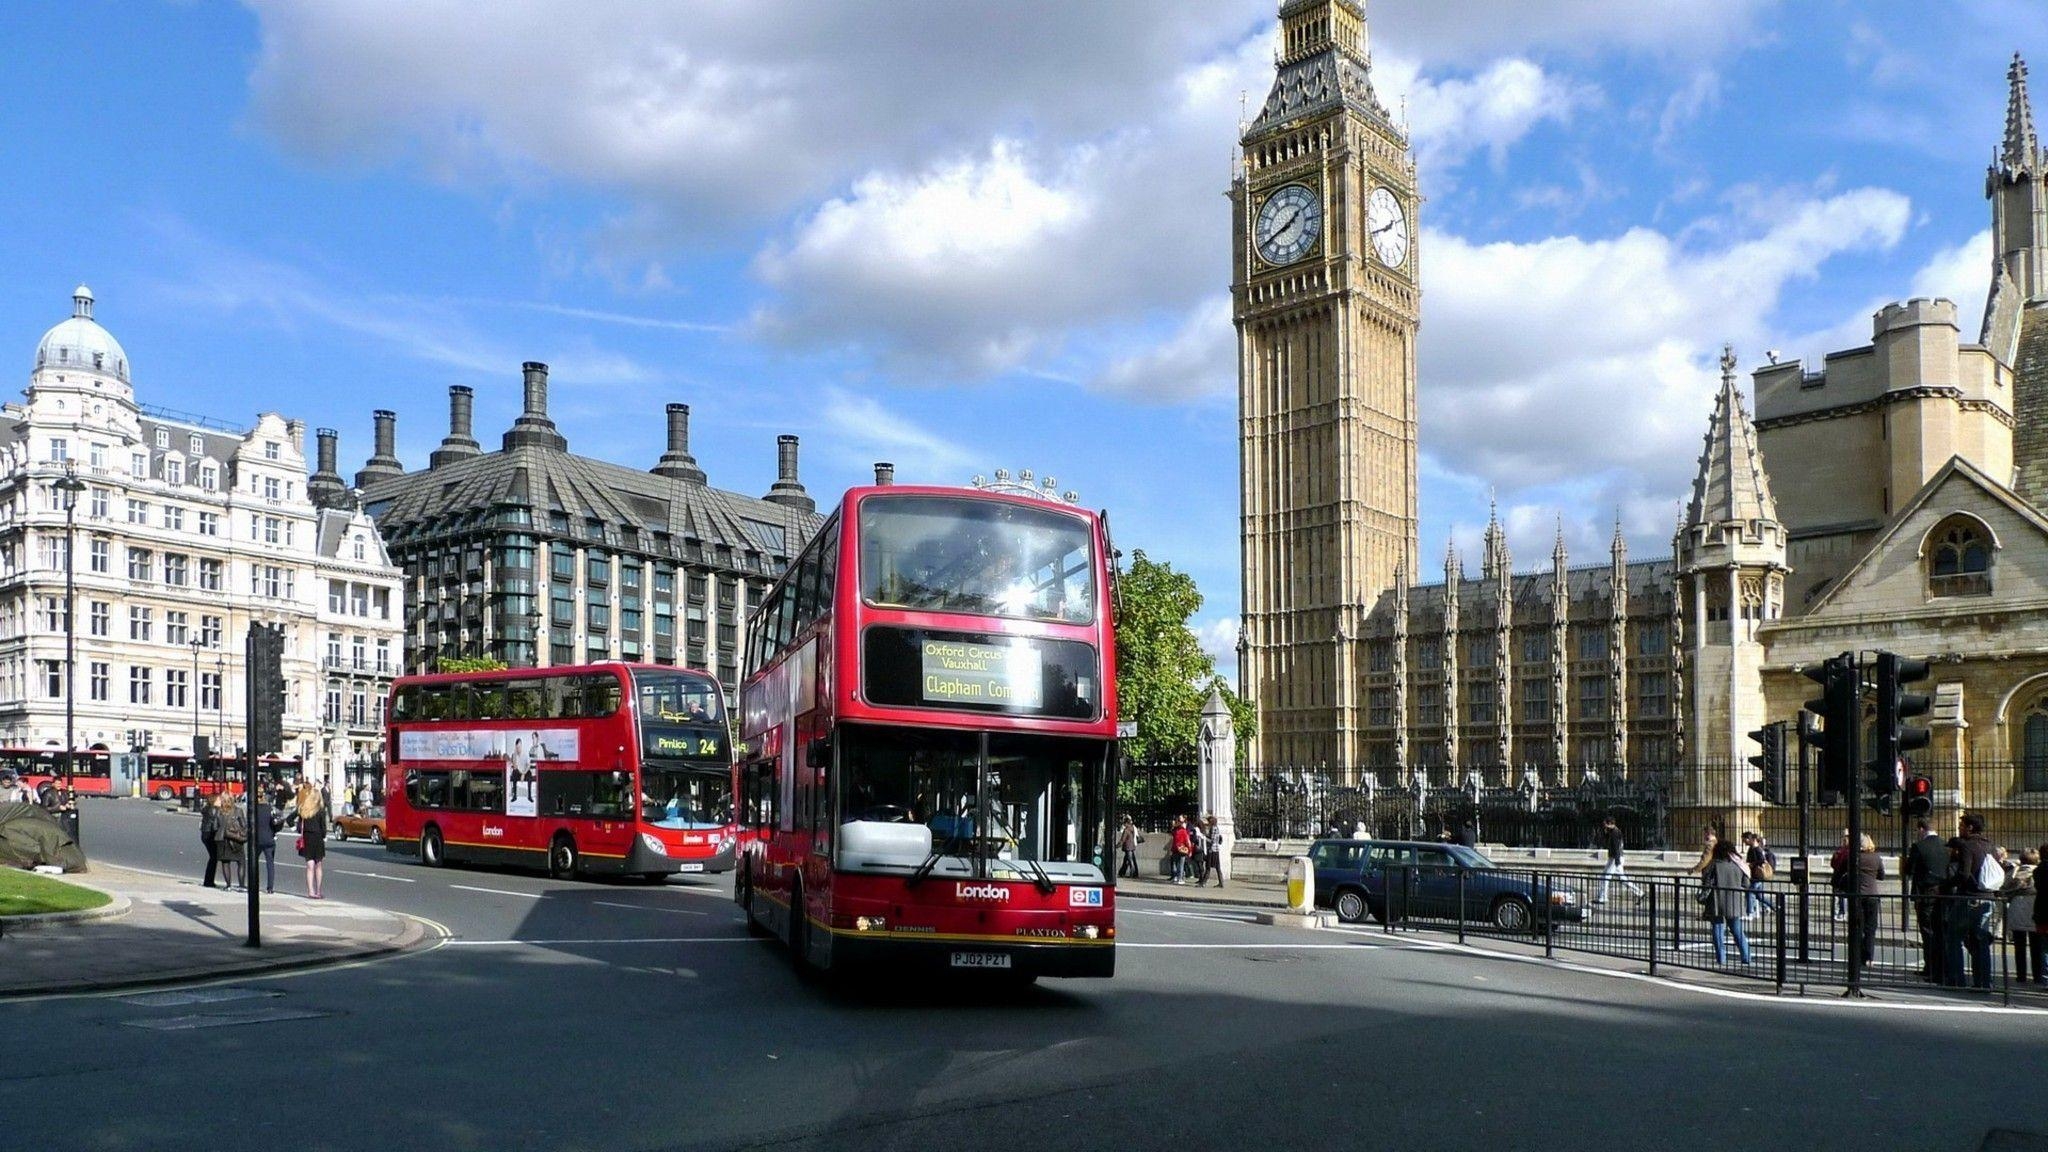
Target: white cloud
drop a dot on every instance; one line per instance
(1962, 274)
(1218, 638)
(1453, 118)
(1527, 343)
(1198, 359)
(860, 431)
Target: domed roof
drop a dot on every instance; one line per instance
(81, 343)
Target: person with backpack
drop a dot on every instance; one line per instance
(1973, 882)
(233, 842)
(1183, 847)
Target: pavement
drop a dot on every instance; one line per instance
(161, 929)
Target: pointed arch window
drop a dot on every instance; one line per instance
(1959, 558)
(2033, 750)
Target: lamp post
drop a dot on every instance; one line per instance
(220, 707)
(197, 644)
(68, 488)
(533, 614)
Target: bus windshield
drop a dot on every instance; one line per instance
(685, 798)
(989, 558)
(909, 795)
(678, 698)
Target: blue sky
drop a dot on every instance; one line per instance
(965, 235)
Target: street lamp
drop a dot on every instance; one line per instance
(533, 613)
(68, 488)
(197, 644)
(220, 708)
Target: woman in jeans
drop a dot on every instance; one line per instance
(1724, 897)
(1869, 871)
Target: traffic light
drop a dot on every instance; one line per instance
(266, 689)
(1770, 763)
(1893, 737)
(1919, 799)
(1839, 709)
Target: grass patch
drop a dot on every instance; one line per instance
(22, 893)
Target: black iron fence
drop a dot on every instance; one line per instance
(1787, 936)
(1655, 806)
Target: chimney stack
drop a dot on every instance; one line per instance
(325, 487)
(677, 461)
(788, 490)
(459, 444)
(383, 463)
(885, 474)
(533, 426)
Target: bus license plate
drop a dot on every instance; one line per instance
(689, 867)
(980, 960)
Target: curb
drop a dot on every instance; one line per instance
(116, 905)
(1127, 893)
(417, 935)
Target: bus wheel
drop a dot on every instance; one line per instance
(163, 792)
(799, 931)
(563, 862)
(430, 847)
(743, 895)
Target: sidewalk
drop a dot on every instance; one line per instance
(174, 930)
(1243, 893)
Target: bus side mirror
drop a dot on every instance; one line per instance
(818, 754)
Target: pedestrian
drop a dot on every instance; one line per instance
(268, 819)
(1925, 868)
(1869, 872)
(312, 808)
(1610, 839)
(1710, 841)
(1723, 897)
(1213, 847)
(1358, 830)
(1198, 850)
(1763, 865)
(1973, 882)
(209, 838)
(2019, 917)
(1127, 840)
(1183, 847)
(233, 842)
(2040, 922)
(1838, 877)
(1468, 834)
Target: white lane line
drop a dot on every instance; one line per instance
(499, 892)
(1256, 947)
(650, 908)
(377, 876)
(586, 943)
(1191, 916)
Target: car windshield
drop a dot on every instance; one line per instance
(678, 798)
(1471, 857)
(989, 558)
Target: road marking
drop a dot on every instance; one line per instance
(499, 892)
(650, 908)
(1259, 947)
(1247, 919)
(378, 876)
(582, 943)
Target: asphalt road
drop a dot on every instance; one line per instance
(573, 1015)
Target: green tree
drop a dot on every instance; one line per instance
(469, 664)
(1163, 676)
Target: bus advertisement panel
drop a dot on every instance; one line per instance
(608, 768)
(928, 739)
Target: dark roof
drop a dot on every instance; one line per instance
(584, 490)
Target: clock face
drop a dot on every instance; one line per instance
(1387, 225)
(1290, 222)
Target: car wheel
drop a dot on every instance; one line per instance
(340, 834)
(1351, 907)
(563, 859)
(376, 835)
(430, 848)
(1512, 914)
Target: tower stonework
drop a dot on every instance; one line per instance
(1326, 303)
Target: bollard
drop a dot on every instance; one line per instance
(1301, 886)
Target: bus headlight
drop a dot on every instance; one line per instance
(869, 923)
(653, 843)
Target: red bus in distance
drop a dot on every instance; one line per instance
(166, 775)
(928, 739)
(622, 769)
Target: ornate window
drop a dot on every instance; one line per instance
(2033, 747)
(1959, 558)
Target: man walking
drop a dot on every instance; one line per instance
(1926, 866)
(1610, 839)
(1971, 908)
(1127, 840)
(1763, 864)
(209, 835)
(1212, 861)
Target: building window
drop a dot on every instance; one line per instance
(1382, 707)
(53, 678)
(1959, 563)
(358, 708)
(140, 563)
(1479, 652)
(1592, 697)
(270, 450)
(210, 631)
(139, 624)
(1652, 639)
(1479, 702)
(1382, 656)
(138, 686)
(174, 470)
(97, 455)
(2034, 748)
(1535, 647)
(177, 628)
(98, 504)
(53, 613)
(337, 597)
(209, 477)
(359, 599)
(209, 575)
(1536, 701)
(273, 488)
(138, 465)
(176, 682)
(1592, 643)
(174, 518)
(209, 523)
(1653, 692)
(138, 511)
(209, 691)
(99, 617)
(359, 653)
(100, 684)
(1427, 654)
(174, 569)
(1431, 713)
(163, 438)
(60, 450)
(96, 557)
(197, 444)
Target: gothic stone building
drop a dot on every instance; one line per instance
(537, 556)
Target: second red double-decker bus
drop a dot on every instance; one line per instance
(604, 768)
(928, 731)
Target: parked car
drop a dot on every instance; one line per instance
(365, 824)
(1354, 878)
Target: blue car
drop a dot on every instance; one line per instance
(1354, 878)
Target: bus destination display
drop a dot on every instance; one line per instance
(956, 672)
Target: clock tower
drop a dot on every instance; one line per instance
(1326, 303)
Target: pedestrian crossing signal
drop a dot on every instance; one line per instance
(1919, 799)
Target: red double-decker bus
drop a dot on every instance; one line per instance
(39, 768)
(623, 769)
(928, 739)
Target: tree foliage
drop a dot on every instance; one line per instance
(1163, 676)
(469, 664)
